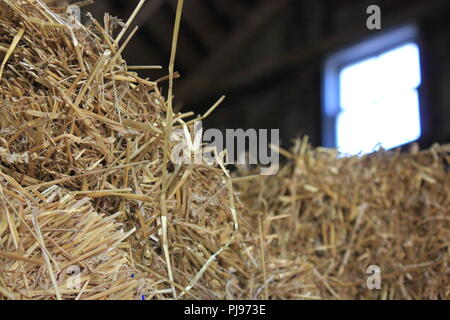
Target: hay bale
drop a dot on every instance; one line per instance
(341, 215)
(55, 246)
(84, 141)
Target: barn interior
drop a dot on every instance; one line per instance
(94, 205)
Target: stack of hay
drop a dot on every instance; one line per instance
(387, 211)
(76, 123)
(56, 246)
(92, 207)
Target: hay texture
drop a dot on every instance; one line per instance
(86, 180)
(73, 117)
(342, 215)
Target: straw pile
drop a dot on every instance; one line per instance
(75, 118)
(56, 244)
(86, 181)
(342, 215)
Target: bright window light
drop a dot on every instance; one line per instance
(371, 93)
(379, 103)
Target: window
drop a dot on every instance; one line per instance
(371, 94)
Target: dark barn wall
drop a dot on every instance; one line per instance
(436, 69)
(266, 56)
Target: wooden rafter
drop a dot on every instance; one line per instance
(230, 50)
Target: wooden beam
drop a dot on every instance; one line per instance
(232, 10)
(159, 27)
(315, 17)
(229, 51)
(148, 11)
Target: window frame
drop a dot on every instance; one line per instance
(335, 62)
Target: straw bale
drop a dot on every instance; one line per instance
(53, 245)
(86, 179)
